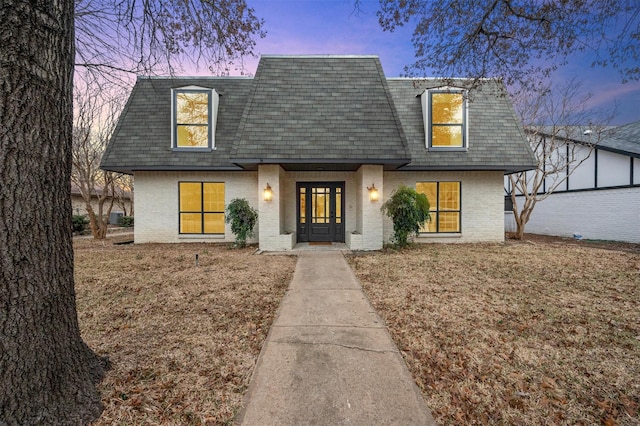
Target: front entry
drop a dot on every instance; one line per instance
(320, 209)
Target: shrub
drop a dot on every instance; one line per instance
(243, 218)
(125, 221)
(79, 223)
(409, 211)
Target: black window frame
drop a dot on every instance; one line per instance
(437, 209)
(201, 212)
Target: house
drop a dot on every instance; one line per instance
(600, 199)
(316, 144)
(122, 205)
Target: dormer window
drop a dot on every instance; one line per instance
(194, 118)
(445, 119)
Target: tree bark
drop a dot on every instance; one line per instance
(48, 375)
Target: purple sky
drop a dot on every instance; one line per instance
(331, 27)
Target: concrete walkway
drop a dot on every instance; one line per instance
(328, 359)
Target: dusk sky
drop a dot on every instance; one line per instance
(331, 27)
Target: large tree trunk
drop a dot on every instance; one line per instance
(48, 375)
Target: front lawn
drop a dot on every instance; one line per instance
(182, 339)
(520, 334)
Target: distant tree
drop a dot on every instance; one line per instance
(118, 39)
(95, 119)
(123, 187)
(519, 40)
(48, 374)
(409, 211)
(551, 122)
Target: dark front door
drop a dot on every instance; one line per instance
(320, 211)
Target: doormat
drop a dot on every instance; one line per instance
(320, 243)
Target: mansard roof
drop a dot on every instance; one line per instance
(315, 112)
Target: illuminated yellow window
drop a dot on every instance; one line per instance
(444, 206)
(447, 120)
(192, 118)
(201, 207)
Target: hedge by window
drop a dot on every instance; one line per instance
(444, 200)
(201, 207)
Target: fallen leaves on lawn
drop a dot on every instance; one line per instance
(515, 333)
(182, 339)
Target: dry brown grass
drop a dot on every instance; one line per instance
(182, 340)
(521, 333)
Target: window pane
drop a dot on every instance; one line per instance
(190, 223)
(449, 221)
(192, 108)
(214, 223)
(213, 197)
(190, 197)
(446, 108)
(446, 135)
(431, 225)
(338, 206)
(449, 196)
(193, 136)
(430, 190)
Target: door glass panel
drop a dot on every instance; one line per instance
(303, 205)
(338, 205)
(320, 205)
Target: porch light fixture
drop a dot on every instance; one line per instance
(373, 192)
(268, 193)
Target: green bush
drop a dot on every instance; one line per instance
(79, 223)
(409, 211)
(125, 221)
(242, 218)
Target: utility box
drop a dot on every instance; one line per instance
(114, 218)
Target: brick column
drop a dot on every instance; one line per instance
(370, 214)
(270, 213)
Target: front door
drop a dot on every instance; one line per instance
(320, 211)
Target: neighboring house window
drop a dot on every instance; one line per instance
(201, 207)
(444, 205)
(445, 118)
(194, 116)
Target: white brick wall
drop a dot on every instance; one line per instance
(370, 224)
(482, 204)
(157, 203)
(606, 214)
(273, 234)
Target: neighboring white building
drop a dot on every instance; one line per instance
(121, 206)
(600, 200)
(316, 144)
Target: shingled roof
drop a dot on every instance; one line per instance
(315, 112)
(496, 140)
(623, 140)
(320, 109)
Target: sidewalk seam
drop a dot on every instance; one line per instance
(380, 351)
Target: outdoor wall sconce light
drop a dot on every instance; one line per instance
(268, 193)
(373, 192)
